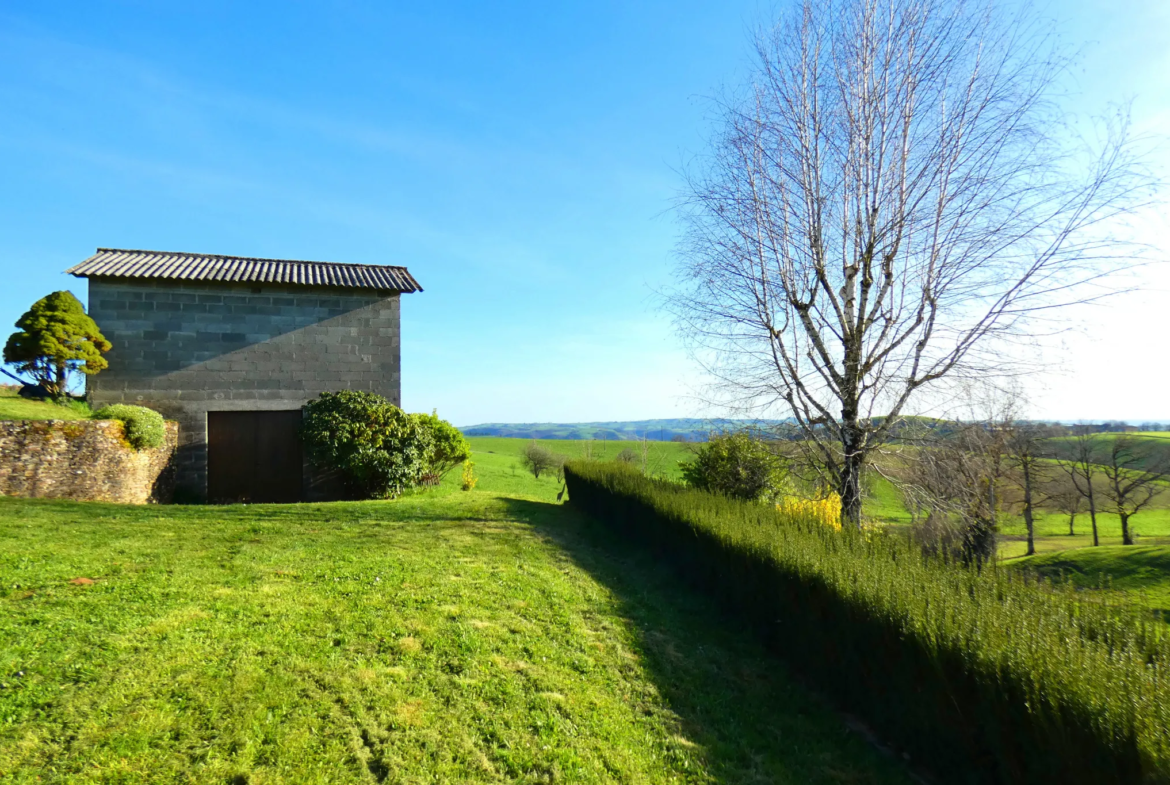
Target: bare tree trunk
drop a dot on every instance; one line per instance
(852, 467)
(1028, 520)
(1082, 467)
(992, 503)
(1072, 520)
(1126, 537)
(1093, 518)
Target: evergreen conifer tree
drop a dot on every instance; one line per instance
(54, 338)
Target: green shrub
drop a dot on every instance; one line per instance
(981, 676)
(448, 447)
(738, 466)
(378, 449)
(143, 428)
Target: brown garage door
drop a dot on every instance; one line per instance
(253, 457)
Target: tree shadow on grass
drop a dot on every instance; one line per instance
(751, 719)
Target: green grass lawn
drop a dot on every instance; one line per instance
(13, 407)
(488, 636)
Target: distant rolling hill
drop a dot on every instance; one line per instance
(678, 429)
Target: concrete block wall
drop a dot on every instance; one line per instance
(185, 348)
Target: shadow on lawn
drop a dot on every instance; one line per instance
(731, 697)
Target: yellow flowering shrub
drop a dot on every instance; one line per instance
(826, 511)
(469, 478)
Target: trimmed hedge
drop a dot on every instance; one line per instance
(983, 677)
(143, 428)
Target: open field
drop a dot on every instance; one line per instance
(497, 461)
(495, 456)
(883, 503)
(1162, 435)
(445, 637)
(13, 407)
(1152, 527)
(1140, 571)
(1154, 447)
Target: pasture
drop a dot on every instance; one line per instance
(1152, 527)
(488, 636)
(497, 459)
(1140, 572)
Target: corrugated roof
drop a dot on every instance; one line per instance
(119, 263)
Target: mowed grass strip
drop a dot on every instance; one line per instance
(460, 637)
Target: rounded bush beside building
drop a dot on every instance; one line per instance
(143, 428)
(379, 450)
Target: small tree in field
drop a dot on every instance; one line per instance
(1066, 497)
(1081, 469)
(55, 338)
(540, 460)
(1135, 473)
(957, 479)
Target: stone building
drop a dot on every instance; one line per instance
(233, 347)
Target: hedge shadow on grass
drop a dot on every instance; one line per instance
(731, 697)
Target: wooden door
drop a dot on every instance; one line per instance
(253, 457)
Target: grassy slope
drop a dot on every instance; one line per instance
(1136, 570)
(884, 504)
(486, 636)
(13, 407)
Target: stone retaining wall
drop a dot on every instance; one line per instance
(84, 460)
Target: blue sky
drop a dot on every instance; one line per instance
(520, 158)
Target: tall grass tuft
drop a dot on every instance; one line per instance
(985, 677)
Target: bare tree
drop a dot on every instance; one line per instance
(1135, 475)
(1081, 468)
(892, 194)
(1026, 452)
(1066, 497)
